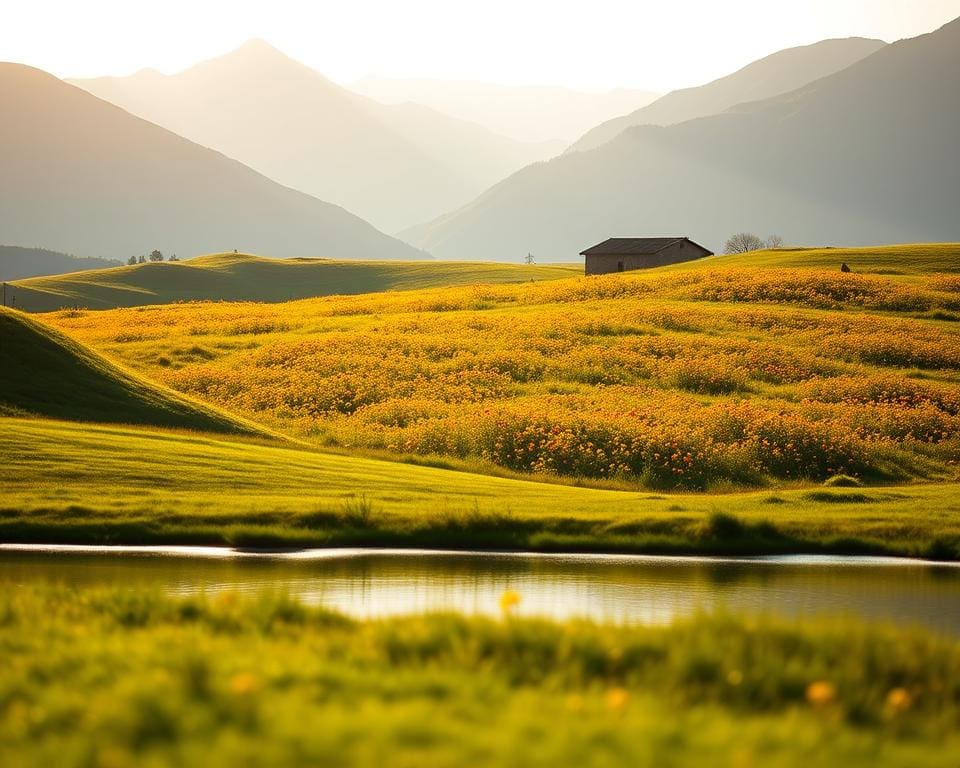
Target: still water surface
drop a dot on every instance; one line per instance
(620, 588)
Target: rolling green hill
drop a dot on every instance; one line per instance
(905, 259)
(242, 277)
(45, 373)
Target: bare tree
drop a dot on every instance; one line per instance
(774, 241)
(743, 242)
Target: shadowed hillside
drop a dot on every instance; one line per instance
(776, 74)
(82, 175)
(866, 155)
(46, 374)
(17, 263)
(393, 165)
(241, 277)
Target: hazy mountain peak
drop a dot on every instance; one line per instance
(148, 73)
(257, 45)
(82, 175)
(255, 55)
(778, 73)
(286, 120)
(864, 155)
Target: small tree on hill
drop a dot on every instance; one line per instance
(774, 241)
(142, 260)
(743, 242)
(156, 256)
(132, 260)
(173, 258)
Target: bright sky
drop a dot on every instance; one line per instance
(592, 44)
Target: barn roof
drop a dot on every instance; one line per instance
(634, 246)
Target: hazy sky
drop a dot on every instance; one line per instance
(592, 44)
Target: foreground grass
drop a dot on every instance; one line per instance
(73, 483)
(117, 678)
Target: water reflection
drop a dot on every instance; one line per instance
(627, 589)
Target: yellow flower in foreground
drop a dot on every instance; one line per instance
(243, 683)
(508, 601)
(899, 700)
(617, 699)
(821, 693)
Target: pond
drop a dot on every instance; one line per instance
(365, 583)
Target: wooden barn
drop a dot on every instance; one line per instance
(620, 254)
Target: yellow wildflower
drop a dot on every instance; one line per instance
(508, 601)
(821, 693)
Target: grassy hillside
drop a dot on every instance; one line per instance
(701, 377)
(906, 259)
(242, 277)
(47, 374)
(110, 677)
(129, 485)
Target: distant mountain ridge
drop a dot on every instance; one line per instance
(773, 75)
(538, 113)
(84, 176)
(392, 165)
(17, 263)
(866, 155)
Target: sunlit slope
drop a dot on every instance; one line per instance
(905, 259)
(45, 373)
(242, 277)
(133, 485)
(715, 375)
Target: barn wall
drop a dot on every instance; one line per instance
(674, 254)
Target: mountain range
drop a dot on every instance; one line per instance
(393, 165)
(17, 263)
(781, 72)
(84, 176)
(537, 113)
(865, 155)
